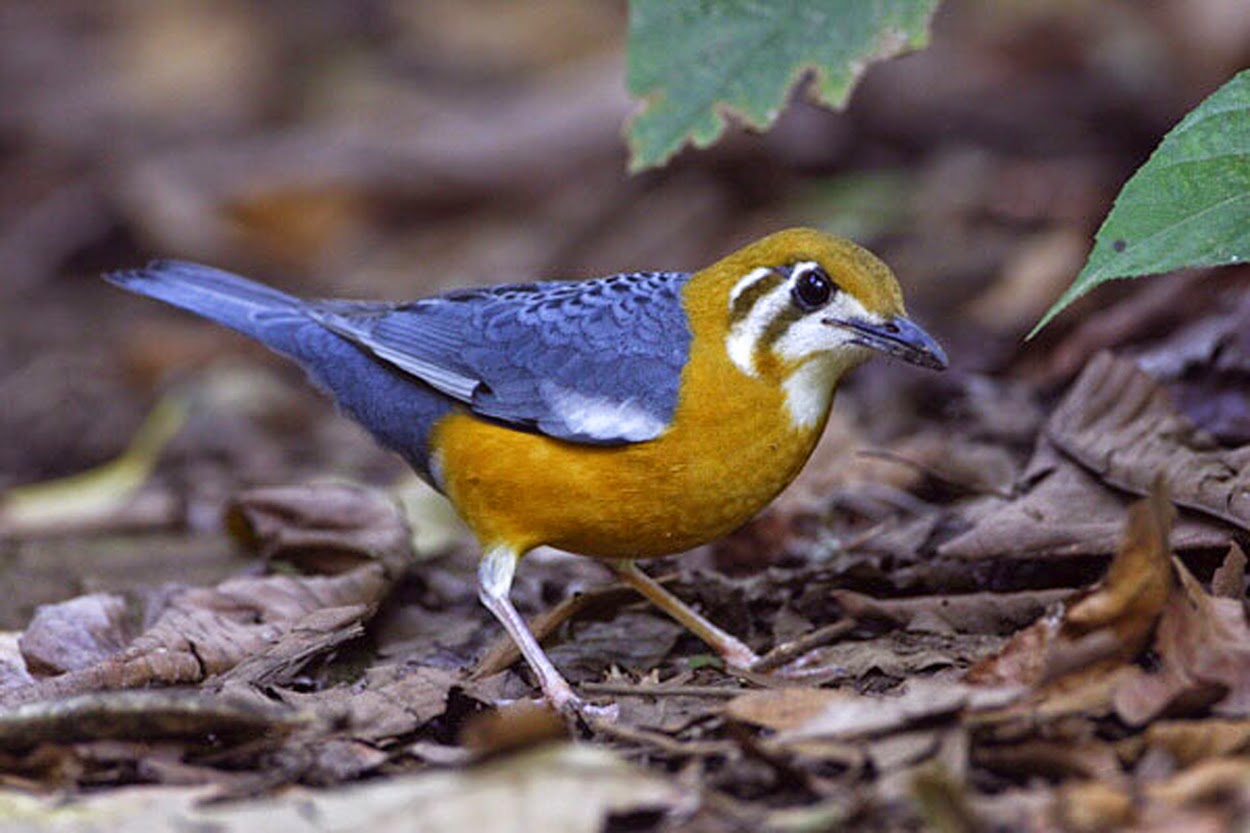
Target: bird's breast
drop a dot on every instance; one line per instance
(732, 446)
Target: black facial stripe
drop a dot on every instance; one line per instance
(786, 317)
(747, 298)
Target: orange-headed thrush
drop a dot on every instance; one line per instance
(629, 416)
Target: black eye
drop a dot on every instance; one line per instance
(812, 289)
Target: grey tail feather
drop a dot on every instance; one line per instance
(229, 299)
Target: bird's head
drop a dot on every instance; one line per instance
(804, 307)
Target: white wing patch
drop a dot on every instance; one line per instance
(601, 418)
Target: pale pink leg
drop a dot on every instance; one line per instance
(494, 577)
(732, 650)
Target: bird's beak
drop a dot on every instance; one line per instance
(897, 336)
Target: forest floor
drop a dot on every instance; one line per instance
(1009, 596)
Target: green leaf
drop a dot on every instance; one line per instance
(692, 61)
(1188, 206)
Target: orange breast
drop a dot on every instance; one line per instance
(730, 449)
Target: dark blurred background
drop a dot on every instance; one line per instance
(394, 149)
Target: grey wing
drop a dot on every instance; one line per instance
(596, 362)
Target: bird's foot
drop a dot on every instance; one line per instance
(567, 703)
(737, 655)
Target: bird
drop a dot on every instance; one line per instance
(625, 417)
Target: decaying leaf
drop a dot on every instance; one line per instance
(963, 612)
(185, 714)
(1062, 511)
(558, 787)
(202, 632)
(74, 634)
(845, 714)
(1121, 424)
(1113, 622)
(1189, 741)
(323, 527)
(1203, 645)
(388, 702)
(1229, 580)
(781, 708)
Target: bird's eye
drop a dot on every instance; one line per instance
(812, 289)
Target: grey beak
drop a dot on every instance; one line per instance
(898, 337)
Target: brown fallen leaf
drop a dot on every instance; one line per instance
(1121, 424)
(571, 788)
(846, 714)
(1093, 807)
(962, 612)
(1138, 580)
(388, 702)
(1110, 623)
(202, 632)
(1053, 759)
(1230, 578)
(1190, 741)
(142, 715)
(779, 709)
(1221, 781)
(1203, 645)
(513, 727)
(1062, 511)
(74, 634)
(323, 527)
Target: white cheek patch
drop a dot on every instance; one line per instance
(744, 336)
(810, 336)
(809, 392)
(601, 418)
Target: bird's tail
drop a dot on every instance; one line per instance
(260, 311)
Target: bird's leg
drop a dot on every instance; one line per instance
(732, 650)
(494, 582)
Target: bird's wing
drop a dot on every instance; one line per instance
(596, 362)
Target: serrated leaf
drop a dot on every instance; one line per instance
(691, 61)
(1188, 206)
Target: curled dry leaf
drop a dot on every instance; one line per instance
(1229, 580)
(74, 634)
(203, 632)
(1138, 580)
(1112, 622)
(1121, 424)
(1062, 511)
(390, 701)
(1203, 644)
(323, 527)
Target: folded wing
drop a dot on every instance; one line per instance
(596, 362)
